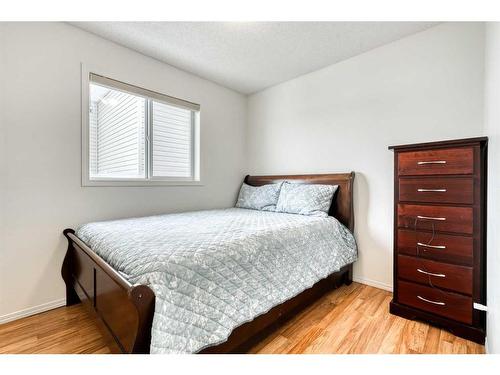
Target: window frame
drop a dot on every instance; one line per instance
(149, 180)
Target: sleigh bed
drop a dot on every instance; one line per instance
(125, 310)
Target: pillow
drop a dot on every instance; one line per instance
(259, 197)
(306, 199)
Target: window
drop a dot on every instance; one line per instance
(135, 136)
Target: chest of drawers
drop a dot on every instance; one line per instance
(440, 234)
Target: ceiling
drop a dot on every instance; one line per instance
(250, 56)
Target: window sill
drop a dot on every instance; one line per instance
(135, 183)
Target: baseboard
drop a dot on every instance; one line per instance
(32, 310)
(376, 284)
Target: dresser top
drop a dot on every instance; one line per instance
(447, 143)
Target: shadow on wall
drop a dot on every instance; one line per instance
(371, 248)
(59, 247)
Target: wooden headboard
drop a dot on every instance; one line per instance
(342, 206)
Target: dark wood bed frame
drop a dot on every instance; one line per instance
(125, 311)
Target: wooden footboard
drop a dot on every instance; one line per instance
(124, 309)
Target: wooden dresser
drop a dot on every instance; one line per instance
(440, 234)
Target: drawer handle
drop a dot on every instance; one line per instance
(431, 246)
(429, 301)
(431, 190)
(432, 162)
(431, 218)
(431, 274)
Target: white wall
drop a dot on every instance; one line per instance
(426, 87)
(492, 130)
(40, 167)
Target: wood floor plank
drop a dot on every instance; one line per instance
(276, 346)
(394, 337)
(371, 340)
(432, 340)
(351, 319)
(361, 330)
(413, 337)
(330, 340)
(301, 344)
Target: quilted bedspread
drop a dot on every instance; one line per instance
(213, 270)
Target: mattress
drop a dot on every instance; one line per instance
(213, 270)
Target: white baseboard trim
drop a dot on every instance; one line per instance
(376, 284)
(32, 310)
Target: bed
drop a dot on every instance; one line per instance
(210, 281)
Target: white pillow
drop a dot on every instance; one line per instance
(304, 199)
(262, 197)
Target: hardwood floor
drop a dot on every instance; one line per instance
(351, 319)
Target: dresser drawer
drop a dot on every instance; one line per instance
(436, 190)
(432, 162)
(436, 301)
(443, 247)
(442, 275)
(439, 218)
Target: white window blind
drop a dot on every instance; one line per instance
(172, 130)
(117, 134)
(138, 134)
